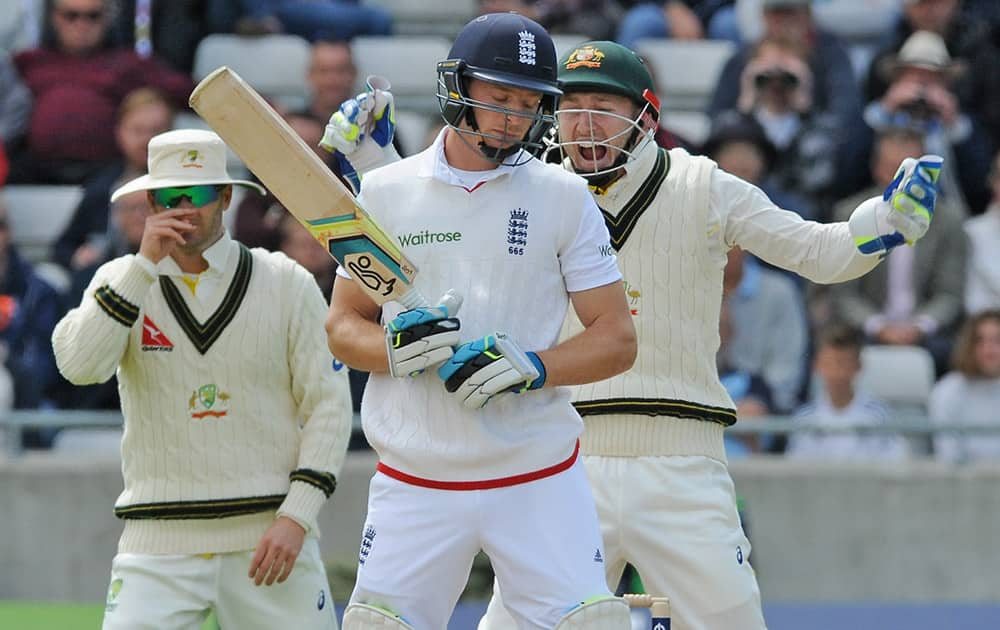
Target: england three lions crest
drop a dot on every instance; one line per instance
(517, 232)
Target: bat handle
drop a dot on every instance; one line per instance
(413, 298)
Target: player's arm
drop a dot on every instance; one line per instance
(90, 340)
(605, 347)
(833, 252)
(353, 333)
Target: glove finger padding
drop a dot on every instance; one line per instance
(421, 338)
(904, 211)
(360, 132)
(912, 195)
(489, 366)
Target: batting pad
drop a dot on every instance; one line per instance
(607, 613)
(366, 617)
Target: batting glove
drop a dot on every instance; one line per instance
(360, 133)
(423, 337)
(903, 213)
(489, 366)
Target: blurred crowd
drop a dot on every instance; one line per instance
(85, 84)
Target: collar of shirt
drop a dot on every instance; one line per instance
(435, 164)
(218, 256)
(637, 169)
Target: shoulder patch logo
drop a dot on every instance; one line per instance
(153, 338)
(586, 57)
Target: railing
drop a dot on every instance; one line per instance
(14, 422)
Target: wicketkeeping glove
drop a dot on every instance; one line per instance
(903, 213)
(423, 337)
(489, 366)
(360, 133)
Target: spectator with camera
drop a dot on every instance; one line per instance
(776, 91)
(833, 89)
(971, 32)
(921, 96)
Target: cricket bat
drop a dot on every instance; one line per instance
(306, 187)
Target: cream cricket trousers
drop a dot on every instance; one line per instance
(675, 520)
(176, 592)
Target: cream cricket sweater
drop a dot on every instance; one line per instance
(672, 220)
(233, 412)
(674, 286)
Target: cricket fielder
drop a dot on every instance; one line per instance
(478, 445)
(236, 415)
(653, 445)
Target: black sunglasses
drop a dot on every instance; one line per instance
(72, 15)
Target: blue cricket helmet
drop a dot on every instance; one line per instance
(505, 49)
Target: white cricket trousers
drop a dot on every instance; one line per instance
(176, 592)
(542, 539)
(675, 520)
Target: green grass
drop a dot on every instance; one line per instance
(52, 616)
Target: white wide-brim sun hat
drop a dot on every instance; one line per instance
(184, 157)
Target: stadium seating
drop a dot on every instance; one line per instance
(898, 375)
(685, 72)
(38, 215)
(275, 65)
(901, 377)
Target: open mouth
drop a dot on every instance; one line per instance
(593, 153)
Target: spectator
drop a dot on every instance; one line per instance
(834, 89)
(15, 104)
(836, 366)
(313, 19)
(297, 243)
(748, 389)
(170, 30)
(123, 236)
(921, 95)
(769, 332)
(915, 297)
(971, 391)
(144, 113)
(78, 80)
(677, 19)
(739, 146)
(775, 89)
(331, 77)
(982, 288)
(966, 30)
(29, 310)
(127, 220)
(591, 19)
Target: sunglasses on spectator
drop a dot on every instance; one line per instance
(199, 196)
(73, 15)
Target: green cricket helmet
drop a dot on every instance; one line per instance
(608, 68)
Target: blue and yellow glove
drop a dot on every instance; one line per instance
(488, 366)
(904, 211)
(423, 337)
(360, 132)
